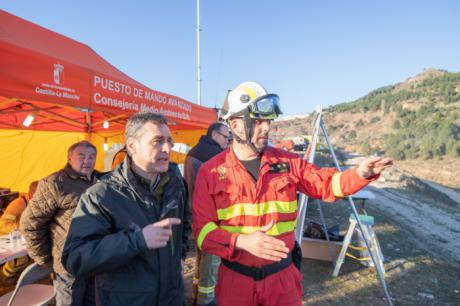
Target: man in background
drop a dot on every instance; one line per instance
(9, 221)
(10, 218)
(46, 220)
(207, 265)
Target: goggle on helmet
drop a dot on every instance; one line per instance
(251, 98)
(265, 107)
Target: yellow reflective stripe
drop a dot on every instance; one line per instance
(6, 270)
(9, 217)
(209, 227)
(336, 189)
(277, 229)
(260, 209)
(206, 289)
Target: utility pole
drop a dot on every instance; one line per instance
(198, 61)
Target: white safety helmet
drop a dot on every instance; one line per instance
(253, 97)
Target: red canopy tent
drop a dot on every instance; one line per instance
(68, 87)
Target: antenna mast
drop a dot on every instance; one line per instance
(198, 62)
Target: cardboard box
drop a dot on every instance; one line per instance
(318, 249)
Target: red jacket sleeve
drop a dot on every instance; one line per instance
(328, 184)
(208, 235)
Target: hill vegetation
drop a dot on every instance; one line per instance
(418, 118)
(416, 122)
(427, 115)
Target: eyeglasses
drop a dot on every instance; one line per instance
(223, 135)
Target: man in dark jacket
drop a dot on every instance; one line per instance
(127, 228)
(205, 278)
(47, 218)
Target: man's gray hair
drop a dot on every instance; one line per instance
(137, 122)
(83, 143)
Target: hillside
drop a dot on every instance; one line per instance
(417, 122)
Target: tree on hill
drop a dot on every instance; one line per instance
(425, 112)
(424, 126)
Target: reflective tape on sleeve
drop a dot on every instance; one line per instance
(206, 290)
(9, 217)
(209, 227)
(336, 189)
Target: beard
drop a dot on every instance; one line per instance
(261, 142)
(159, 166)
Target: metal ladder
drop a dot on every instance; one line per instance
(368, 234)
(310, 156)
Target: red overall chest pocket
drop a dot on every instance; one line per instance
(284, 187)
(225, 193)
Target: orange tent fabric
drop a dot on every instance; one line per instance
(69, 87)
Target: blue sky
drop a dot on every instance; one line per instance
(308, 52)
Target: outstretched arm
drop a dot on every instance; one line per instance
(372, 166)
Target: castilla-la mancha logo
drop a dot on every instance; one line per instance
(57, 88)
(58, 74)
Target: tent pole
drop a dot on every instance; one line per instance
(8, 101)
(88, 121)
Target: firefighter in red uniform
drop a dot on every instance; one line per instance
(245, 203)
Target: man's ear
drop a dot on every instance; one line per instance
(131, 146)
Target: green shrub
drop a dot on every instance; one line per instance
(352, 135)
(359, 123)
(431, 131)
(366, 147)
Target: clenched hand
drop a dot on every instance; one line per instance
(156, 235)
